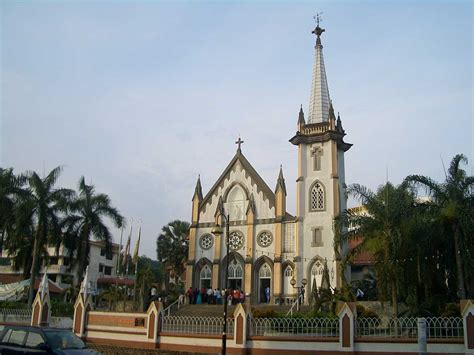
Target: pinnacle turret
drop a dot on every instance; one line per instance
(301, 121)
(281, 182)
(198, 189)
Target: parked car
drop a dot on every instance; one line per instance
(16, 339)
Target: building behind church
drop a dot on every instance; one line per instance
(270, 247)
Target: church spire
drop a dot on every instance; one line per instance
(319, 99)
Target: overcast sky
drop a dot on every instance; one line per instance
(141, 97)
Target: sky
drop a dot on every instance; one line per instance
(142, 96)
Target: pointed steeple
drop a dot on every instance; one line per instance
(198, 189)
(319, 99)
(280, 182)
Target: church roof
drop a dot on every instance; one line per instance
(319, 99)
(261, 184)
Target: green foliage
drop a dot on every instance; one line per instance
(61, 309)
(13, 305)
(85, 220)
(366, 313)
(172, 246)
(265, 313)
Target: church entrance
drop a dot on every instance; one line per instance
(236, 274)
(265, 277)
(205, 277)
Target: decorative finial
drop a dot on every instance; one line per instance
(239, 143)
(318, 31)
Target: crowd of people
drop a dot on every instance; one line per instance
(215, 296)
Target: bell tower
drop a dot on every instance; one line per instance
(321, 178)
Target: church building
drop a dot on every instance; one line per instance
(269, 247)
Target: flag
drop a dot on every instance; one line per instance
(137, 246)
(126, 250)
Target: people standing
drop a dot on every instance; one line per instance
(267, 294)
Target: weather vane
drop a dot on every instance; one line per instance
(318, 30)
(318, 18)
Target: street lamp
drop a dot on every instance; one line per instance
(303, 284)
(217, 230)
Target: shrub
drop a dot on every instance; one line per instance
(363, 312)
(264, 313)
(13, 305)
(61, 309)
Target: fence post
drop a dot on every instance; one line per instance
(154, 313)
(347, 315)
(240, 327)
(41, 311)
(421, 322)
(467, 312)
(82, 306)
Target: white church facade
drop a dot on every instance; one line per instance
(270, 247)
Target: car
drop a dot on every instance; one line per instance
(17, 339)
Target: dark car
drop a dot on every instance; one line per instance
(34, 340)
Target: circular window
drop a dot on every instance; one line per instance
(206, 241)
(265, 239)
(236, 240)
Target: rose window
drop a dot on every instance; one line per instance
(236, 240)
(206, 241)
(265, 239)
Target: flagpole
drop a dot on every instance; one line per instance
(119, 253)
(135, 256)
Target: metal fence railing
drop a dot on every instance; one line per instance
(319, 327)
(195, 325)
(444, 327)
(393, 328)
(15, 315)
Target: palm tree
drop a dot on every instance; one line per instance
(88, 210)
(172, 247)
(40, 209)
(454, 201)
(11, 189)
(382, 227)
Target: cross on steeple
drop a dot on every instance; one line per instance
(318, 31)
(239, 143)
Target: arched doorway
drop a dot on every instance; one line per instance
(236, 275)
(235, 272)
(262, 279)
(205, 277)
(264, 283)
(202, 274)
(316, 277)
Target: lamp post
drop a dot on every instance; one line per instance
(217, 230)
(299, 288)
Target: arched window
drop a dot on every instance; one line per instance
(317, 268)
(317, 198)
(235, 270)
(205, 277)
(265, 272)
(288, 271)
(235, 203)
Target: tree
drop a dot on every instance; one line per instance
(383, 228)
(11, 189)
(88, 210)
(40, 210)
(172, 247)
(454, 202)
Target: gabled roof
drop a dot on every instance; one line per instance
(256, 178)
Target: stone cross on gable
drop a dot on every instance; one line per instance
(239, 143)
